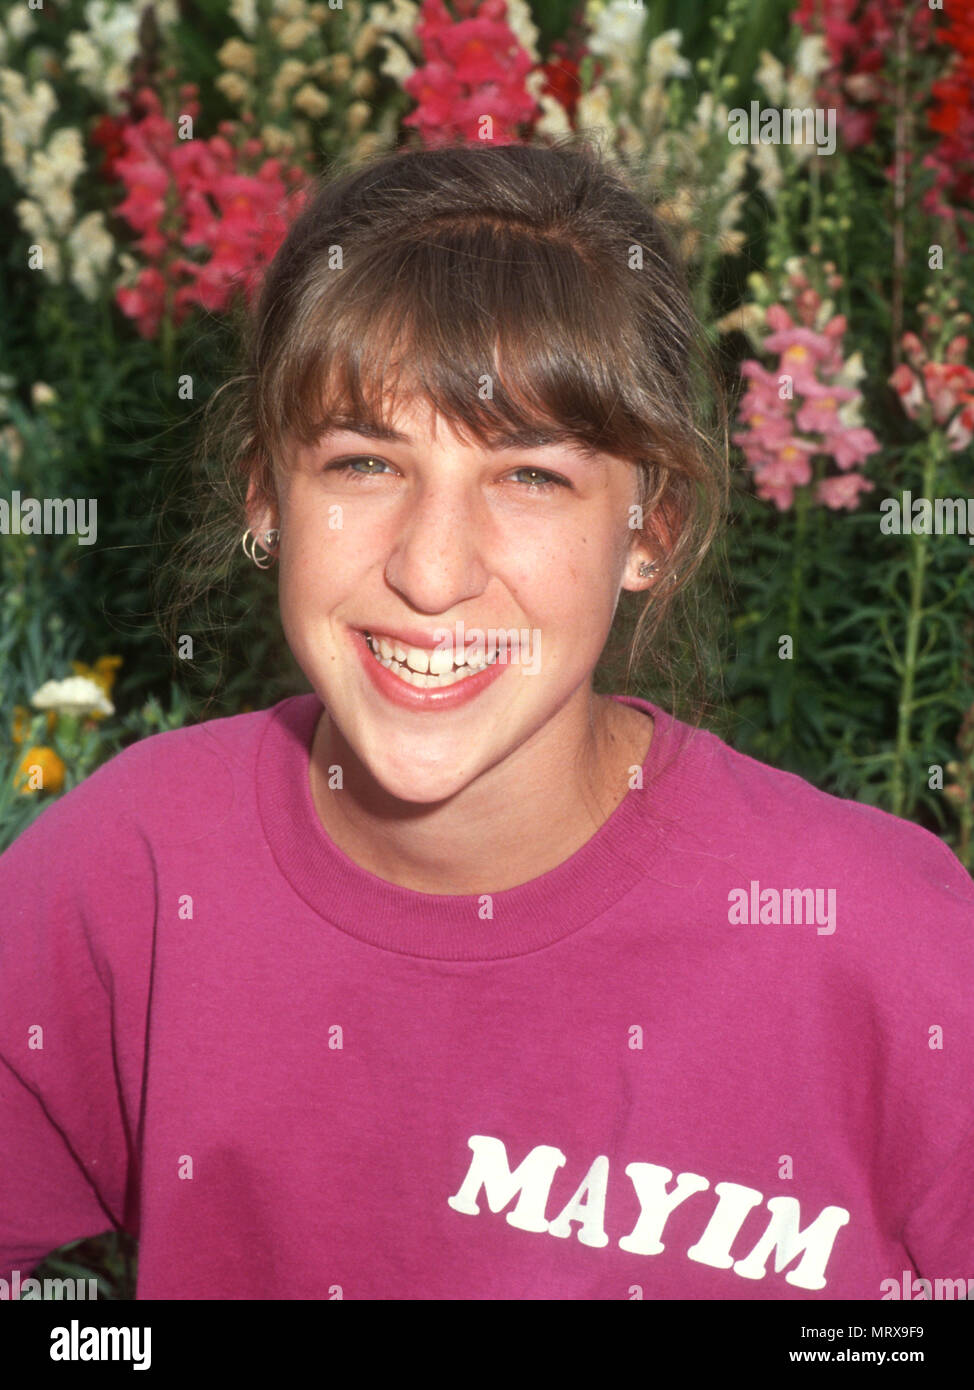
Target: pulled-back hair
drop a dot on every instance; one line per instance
(528, 294)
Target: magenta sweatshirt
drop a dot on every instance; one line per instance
(723, 1051)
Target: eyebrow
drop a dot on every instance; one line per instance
(508, 442)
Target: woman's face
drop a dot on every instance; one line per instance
(422, 534)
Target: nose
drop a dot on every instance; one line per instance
(436, 561)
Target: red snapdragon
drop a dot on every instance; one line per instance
(952, 119)
(198, 194)
(474, 68)
(858, 40)
(938, 393)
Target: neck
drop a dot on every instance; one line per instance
(515, 822)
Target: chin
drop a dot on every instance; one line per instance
(415, 788)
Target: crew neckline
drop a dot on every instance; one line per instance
(442, 926)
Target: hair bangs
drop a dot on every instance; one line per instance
(496, 329)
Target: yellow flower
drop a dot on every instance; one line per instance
(51, 767)
(22, 718)
(102, 673)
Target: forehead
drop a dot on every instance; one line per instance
(411, 418)
(439, 431)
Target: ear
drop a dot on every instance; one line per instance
(651, 546)
(262, 514)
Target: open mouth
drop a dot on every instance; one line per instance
(427, 670)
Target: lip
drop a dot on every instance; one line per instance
(412, 697)
(413, 636)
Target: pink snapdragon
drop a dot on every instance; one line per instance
(198, 194)
(806, 408)
(842, 490)
(475, 67)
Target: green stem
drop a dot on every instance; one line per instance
(265, 60)
(68, 339)
(919, 554)
(815, 209)
(802, 505)
(167, 343)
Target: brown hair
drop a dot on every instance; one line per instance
(422, 271)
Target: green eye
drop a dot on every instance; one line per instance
(537, 478)
(347, 467)
(541, 480)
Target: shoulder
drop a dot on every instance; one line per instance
(162, 788)
(753, 814)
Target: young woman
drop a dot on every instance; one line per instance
(453, 979)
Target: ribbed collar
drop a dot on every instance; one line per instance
(444, 926)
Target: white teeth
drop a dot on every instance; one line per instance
(439, 663)
(405, 662)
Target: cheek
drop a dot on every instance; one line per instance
(317, 559)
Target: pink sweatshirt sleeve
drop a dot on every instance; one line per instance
(71, 1023)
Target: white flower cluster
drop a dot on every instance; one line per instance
(697, 176)
(523, 27)
(616, 37)
(77, 695)
(616, 27)
(396, 19)
(46, 170)
(100, 55)
(47, 165)
(794, 87)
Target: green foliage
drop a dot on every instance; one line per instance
(878, 688)
(110, 1259)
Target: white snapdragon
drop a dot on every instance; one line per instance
(20, 22)
(244, 15)
(592, 111)
(616, 27)
(91, 246)
(397, 63)
(664, 59)
(554, 118)
(23, 115)
(397, 17)
(101, 56)
(522, 25)
(51, 173)
(801, 83)
(770, 174)
(770, 74)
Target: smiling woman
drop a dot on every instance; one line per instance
(331, 998)
(524, 295)
(547, 432)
